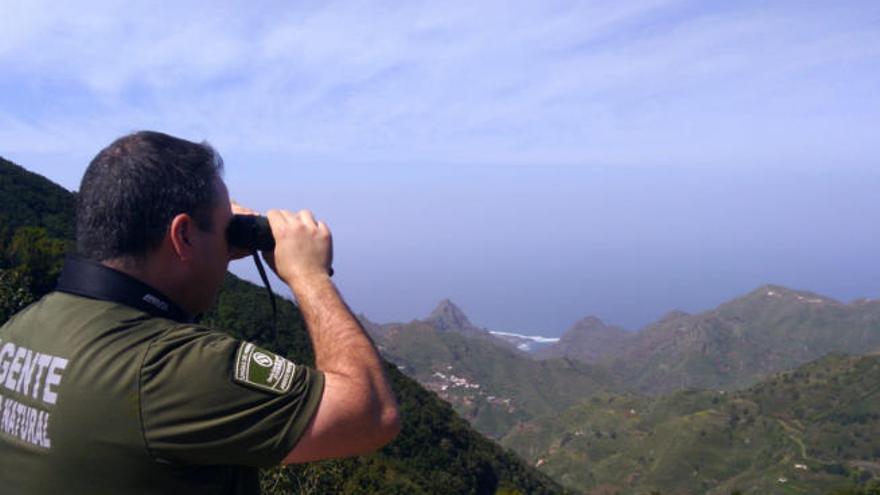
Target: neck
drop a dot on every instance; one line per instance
(83, 277)
(158, 275)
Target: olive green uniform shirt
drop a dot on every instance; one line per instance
(99, 397)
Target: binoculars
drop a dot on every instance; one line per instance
(250, 232)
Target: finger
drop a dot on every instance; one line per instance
(323, 228)
(307, 218)
(238, 209)
(292, 220)
(276, 220)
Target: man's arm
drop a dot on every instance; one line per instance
(358, 411)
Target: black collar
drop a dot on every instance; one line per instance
(84, 277)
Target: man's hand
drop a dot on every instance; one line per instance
(303, 246)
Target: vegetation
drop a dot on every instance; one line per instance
(36, 229)
(811, 430)
(14, 292)
(29, 199)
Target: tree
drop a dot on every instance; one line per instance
(38, 256)
(14, 293)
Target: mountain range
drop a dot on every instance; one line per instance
(691, 404)
(772, 328)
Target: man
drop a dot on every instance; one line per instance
(107, 385)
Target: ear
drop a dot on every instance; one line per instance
(180, 233)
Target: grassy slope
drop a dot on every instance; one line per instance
(825, 415)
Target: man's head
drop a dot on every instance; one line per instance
(151, 201)
(133, 189)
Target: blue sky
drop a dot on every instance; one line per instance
(534, 161)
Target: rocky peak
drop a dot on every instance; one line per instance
(589, 327)
(448, 316)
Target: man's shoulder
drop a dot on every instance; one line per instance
(60, 311)
(177, 334)
(98, 311)
(68, 306)
(188, 346)
(82, 318)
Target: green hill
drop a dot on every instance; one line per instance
(811, 430)
(437, 452)
(29, 199)
(36, 229)
(589, 340)
(768, 330)
(733, 346)
(486, 379)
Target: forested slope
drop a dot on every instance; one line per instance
(811, 430)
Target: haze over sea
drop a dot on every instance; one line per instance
(535, 162)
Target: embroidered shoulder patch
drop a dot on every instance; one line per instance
(262, 369)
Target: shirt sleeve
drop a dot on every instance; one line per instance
(207, 398)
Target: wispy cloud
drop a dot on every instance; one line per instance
(431, 88)
(569, 82)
